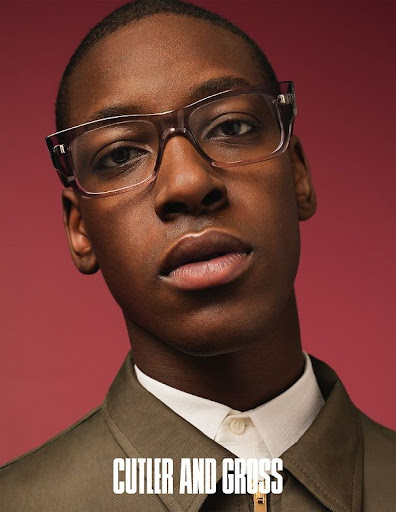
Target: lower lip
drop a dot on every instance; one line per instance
(207, 274)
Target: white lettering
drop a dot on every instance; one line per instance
(118, 465)
(277, 483)
(145, 476)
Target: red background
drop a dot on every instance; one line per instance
(62, 336)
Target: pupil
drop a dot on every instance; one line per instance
(231, 127)
(120, 155)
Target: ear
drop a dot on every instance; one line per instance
(305, 193)
(80, 246)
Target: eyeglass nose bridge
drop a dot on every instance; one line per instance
(173, 131)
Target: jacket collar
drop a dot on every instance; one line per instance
(327, 459)
(145, 427)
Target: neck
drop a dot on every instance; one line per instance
(243, 379)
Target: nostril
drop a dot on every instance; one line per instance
(174, 208)
(213, 197)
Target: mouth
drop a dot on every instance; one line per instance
(204, 260)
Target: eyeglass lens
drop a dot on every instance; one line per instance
(234, 130)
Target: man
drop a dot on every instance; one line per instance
(192, 217)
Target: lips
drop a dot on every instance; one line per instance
(206, 259)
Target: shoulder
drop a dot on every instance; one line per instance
(46, 478)
(379, 465)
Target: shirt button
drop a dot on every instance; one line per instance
(237, 426)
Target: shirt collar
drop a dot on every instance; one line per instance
(280, 422)
(204, 414)
(284, 419)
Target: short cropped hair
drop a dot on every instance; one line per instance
(137, 10)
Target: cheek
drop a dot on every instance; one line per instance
(282, 222)
(125, 245)
(270, 207)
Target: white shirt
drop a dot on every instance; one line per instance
(266, 431)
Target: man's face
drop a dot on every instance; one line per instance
(249, 212)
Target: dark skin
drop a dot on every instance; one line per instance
(237, 344)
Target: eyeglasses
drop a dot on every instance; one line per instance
(229, 129)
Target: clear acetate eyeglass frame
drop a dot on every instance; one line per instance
(228, 129)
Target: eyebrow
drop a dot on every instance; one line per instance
(216, 85)
(115, 110)
(207, 88)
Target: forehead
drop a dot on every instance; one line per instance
(155, 64)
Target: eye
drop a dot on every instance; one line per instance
(120, 156)
(232, 128)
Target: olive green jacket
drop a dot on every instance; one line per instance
(344, 462)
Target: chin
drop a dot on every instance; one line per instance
(223, 331)
(210, 324)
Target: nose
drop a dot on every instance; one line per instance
(186, 183)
